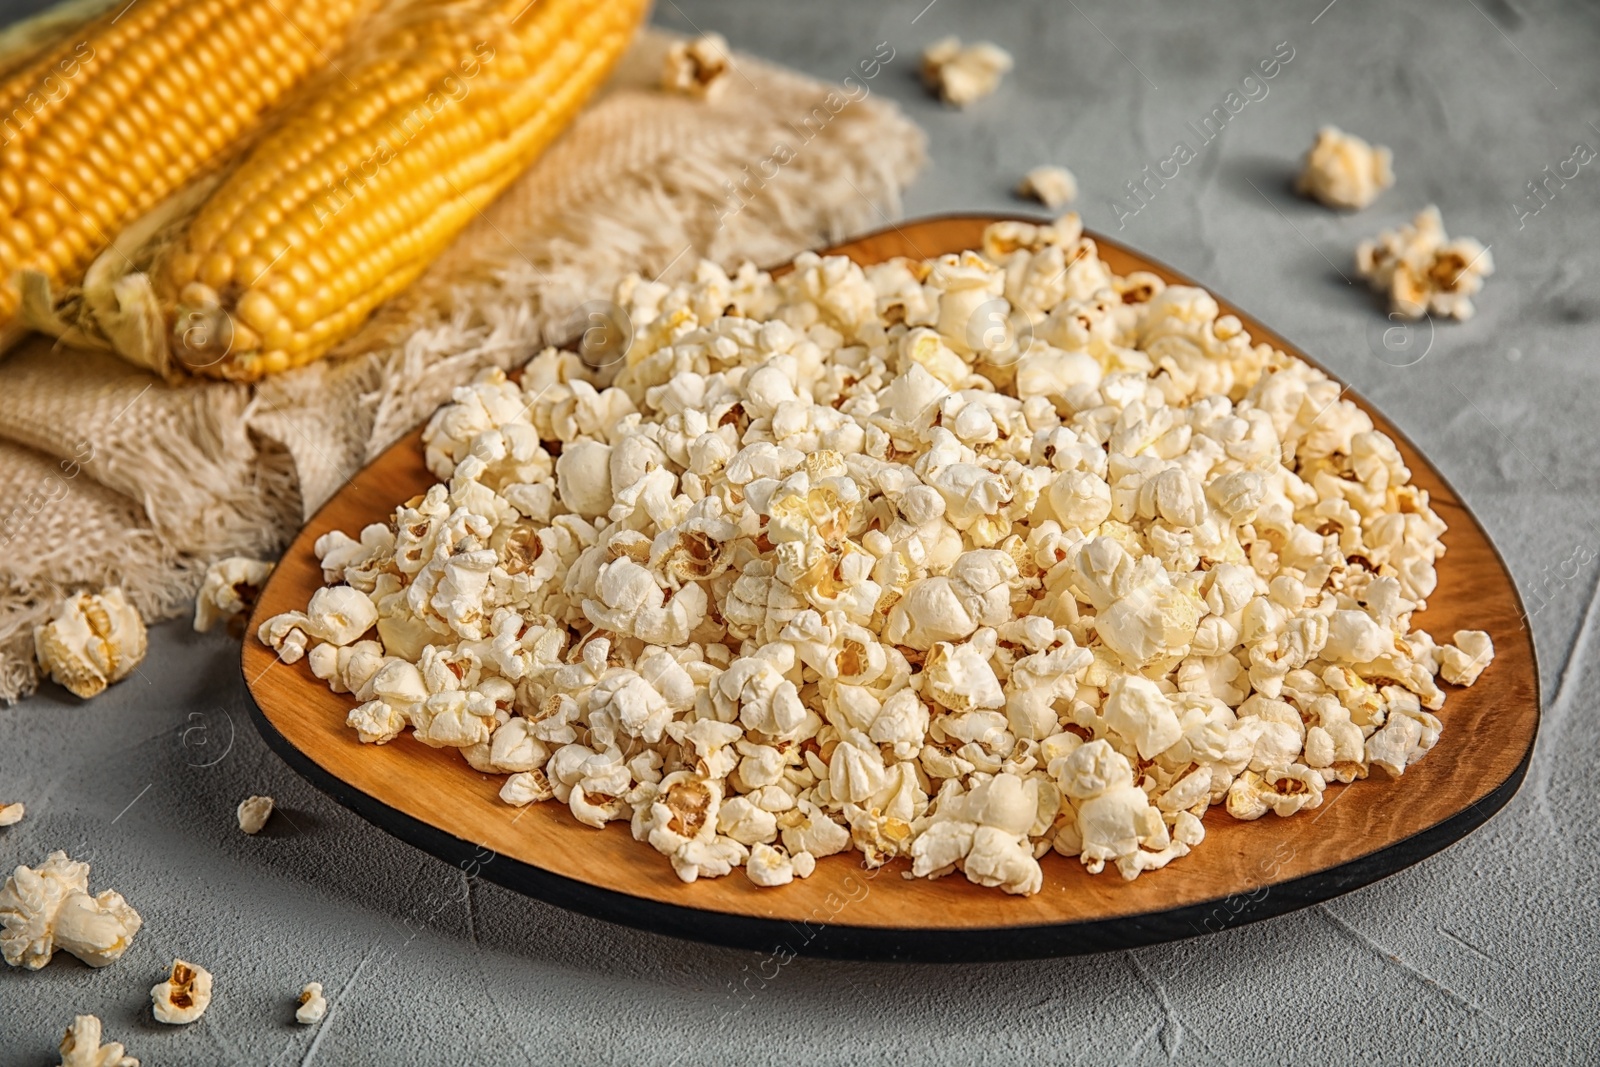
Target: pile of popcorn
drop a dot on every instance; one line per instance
(959, 561)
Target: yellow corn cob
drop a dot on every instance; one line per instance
(360, 186)
(118, 114)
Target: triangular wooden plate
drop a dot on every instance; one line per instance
(1241, 873)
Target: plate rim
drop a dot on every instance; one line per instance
(897, 944)
(939, 945)
(845, 941)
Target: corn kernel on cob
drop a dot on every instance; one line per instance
(115, 115)
(358, 187)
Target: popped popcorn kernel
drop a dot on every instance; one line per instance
(184, 996)
(697, 67)
(1341, 170)
(81, 1046)
(1054, 187)
(229, 591)
(1422, 270)
(49, 907)
(1462, 661)
(253, 814)
(310, 1005)
(962, 75)
(91, 641)
(961, 562)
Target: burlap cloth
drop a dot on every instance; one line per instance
(109, 476)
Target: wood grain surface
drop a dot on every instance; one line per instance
(1476, 766)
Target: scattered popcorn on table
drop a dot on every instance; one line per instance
(92, 640)
(255, 811)
(1054, 187)
(47, 908)
(311, 1006)
(1423, 271)
(696, 68)
(81, 1047)
(11, 814)
(184, 996)
(229, 590)
(962, 75)
(1343, 171)
(834, 562)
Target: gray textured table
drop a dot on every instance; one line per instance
(1483, 953)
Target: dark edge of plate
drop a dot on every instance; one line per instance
(784, 939)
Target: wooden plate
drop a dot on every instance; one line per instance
(1241, 873)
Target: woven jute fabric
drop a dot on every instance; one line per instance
(110, 476)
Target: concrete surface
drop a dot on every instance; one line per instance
(1484, 953)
